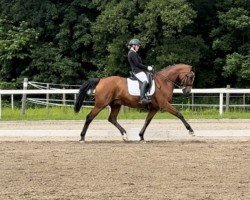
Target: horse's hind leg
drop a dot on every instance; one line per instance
(149, 117)
(171, 109)
(89, 119)
(115, 109)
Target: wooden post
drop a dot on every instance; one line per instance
(221, 104)
(12, 101)
(122, 109)
(64, 97)
(192, 101)
(74, 98)
(47, 96)
(25, 86)
(0, 106)
(244, 101)
(227, 99)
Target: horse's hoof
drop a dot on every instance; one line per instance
(143, 141)
(81, 141)
(191, 133)
(125, 137)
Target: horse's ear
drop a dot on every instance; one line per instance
(193, 69)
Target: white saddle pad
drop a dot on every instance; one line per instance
(134, 90)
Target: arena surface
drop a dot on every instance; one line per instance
(176, 166)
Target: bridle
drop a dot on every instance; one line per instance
(186, 77)
(182, 83)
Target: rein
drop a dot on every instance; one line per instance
(179, 85)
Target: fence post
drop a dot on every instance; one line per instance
(25, 86)
(47, 96)
(227, 99)
(74, 98)
(64, 97)
(221, 103)
(12, 102)
(0, 106)
(244, 101)
(192, 101)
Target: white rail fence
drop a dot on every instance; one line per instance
(63, 92)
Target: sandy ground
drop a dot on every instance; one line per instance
(183, 168)
(170, 124)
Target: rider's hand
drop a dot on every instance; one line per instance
(150, 68)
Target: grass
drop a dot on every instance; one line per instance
(67, 113)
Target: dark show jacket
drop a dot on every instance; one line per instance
(135, 62)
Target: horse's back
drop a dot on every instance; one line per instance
(111, 87)
(112, 81)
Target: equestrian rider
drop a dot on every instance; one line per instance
(138, 69)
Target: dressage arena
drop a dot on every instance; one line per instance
(44, 160)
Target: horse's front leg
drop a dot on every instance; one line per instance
(171, 109)
(149, 117)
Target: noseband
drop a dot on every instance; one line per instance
(183, 81)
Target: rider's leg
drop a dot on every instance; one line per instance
(143, 78)
(143, 98)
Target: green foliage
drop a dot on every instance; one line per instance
(158, 24)
(239, 65)
(16, 43)
(10, 85)
(164, 18)
(111, 33)
(58, 67)
(231, 40)
(235, 18)
(186, 49)
(69, 41)
(63, 49)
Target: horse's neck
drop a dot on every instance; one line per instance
(174, 70)
(171, 74)
(170, 77)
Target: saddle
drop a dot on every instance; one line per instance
(134, 85)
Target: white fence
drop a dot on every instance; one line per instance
(220, 91)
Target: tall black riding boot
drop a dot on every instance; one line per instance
(144, 99)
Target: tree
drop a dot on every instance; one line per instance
(159, 24)
(231, 41)
(69, 41)
(64, 41)
(111, 33)
(16, 43)
(239, 66)
(163, 19)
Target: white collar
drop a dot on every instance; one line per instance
(133, 50)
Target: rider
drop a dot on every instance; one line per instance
(138, 69)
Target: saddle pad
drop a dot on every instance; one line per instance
(134, 90)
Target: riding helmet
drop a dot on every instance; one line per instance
(134, 42)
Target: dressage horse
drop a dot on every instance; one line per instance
(113, 91)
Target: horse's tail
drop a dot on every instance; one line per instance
(89, 84)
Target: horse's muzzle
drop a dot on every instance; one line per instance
(186, 90)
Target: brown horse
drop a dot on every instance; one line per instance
(113, 91)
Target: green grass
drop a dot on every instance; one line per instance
(67, 113)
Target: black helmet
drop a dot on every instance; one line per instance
(134, 42)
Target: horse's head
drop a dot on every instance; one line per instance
(179, 75)
(186, 80)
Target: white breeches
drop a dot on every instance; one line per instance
(142, 76)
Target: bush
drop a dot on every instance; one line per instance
(10, 85)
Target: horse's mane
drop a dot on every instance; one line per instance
(174, 65)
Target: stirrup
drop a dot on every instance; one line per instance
(145, 101)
